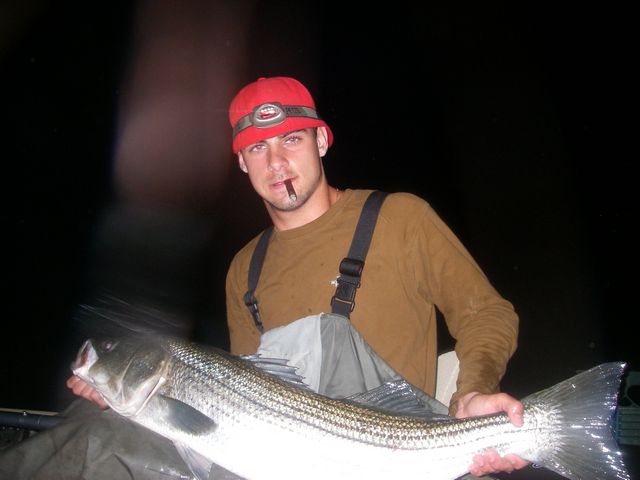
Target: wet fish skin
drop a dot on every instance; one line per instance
(223, 409)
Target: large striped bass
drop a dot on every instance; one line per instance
(254, 417)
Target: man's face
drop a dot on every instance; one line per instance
(294, 156)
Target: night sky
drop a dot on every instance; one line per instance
(123, 200)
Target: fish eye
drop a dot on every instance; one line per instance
(107, 345)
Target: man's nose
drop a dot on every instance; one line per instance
(277, 158)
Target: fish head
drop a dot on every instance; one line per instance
(126, 372)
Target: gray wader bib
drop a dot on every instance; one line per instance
(333, 358)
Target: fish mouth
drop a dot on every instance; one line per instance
(85, 359)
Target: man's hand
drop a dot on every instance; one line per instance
(473, 404)
(83, 389)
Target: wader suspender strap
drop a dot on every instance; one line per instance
(255, 267)
(350, 267)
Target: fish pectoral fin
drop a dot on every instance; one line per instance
(182, 417)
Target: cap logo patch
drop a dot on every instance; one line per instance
(268, 115)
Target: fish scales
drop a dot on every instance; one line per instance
(289, 432)
(351, 421)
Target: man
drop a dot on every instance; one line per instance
(415, 263)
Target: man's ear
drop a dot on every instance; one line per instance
(241, 164)
(323, 140)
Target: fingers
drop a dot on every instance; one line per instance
(84, 390)
(491, 462)
(474, 404)
(515, 415)
(74, 382)
(517, 462)
(513, 408)
(98, 400)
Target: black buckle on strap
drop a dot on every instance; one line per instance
(251, 302)
(348, 283)
(352, 268)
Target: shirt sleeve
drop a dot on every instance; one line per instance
(483, 323)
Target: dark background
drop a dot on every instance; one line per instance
(511, 120)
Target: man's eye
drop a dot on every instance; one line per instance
(293, 139)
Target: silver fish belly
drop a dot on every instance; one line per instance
(259, 426)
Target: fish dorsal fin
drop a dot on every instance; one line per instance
(400, 398)
(278, 367)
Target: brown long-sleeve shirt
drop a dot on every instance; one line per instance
(415, 264)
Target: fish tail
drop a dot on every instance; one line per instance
(583, 444)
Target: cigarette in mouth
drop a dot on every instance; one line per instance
(290, 190)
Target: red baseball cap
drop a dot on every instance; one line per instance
(270, 107)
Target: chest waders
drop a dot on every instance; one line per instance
(327, 351)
